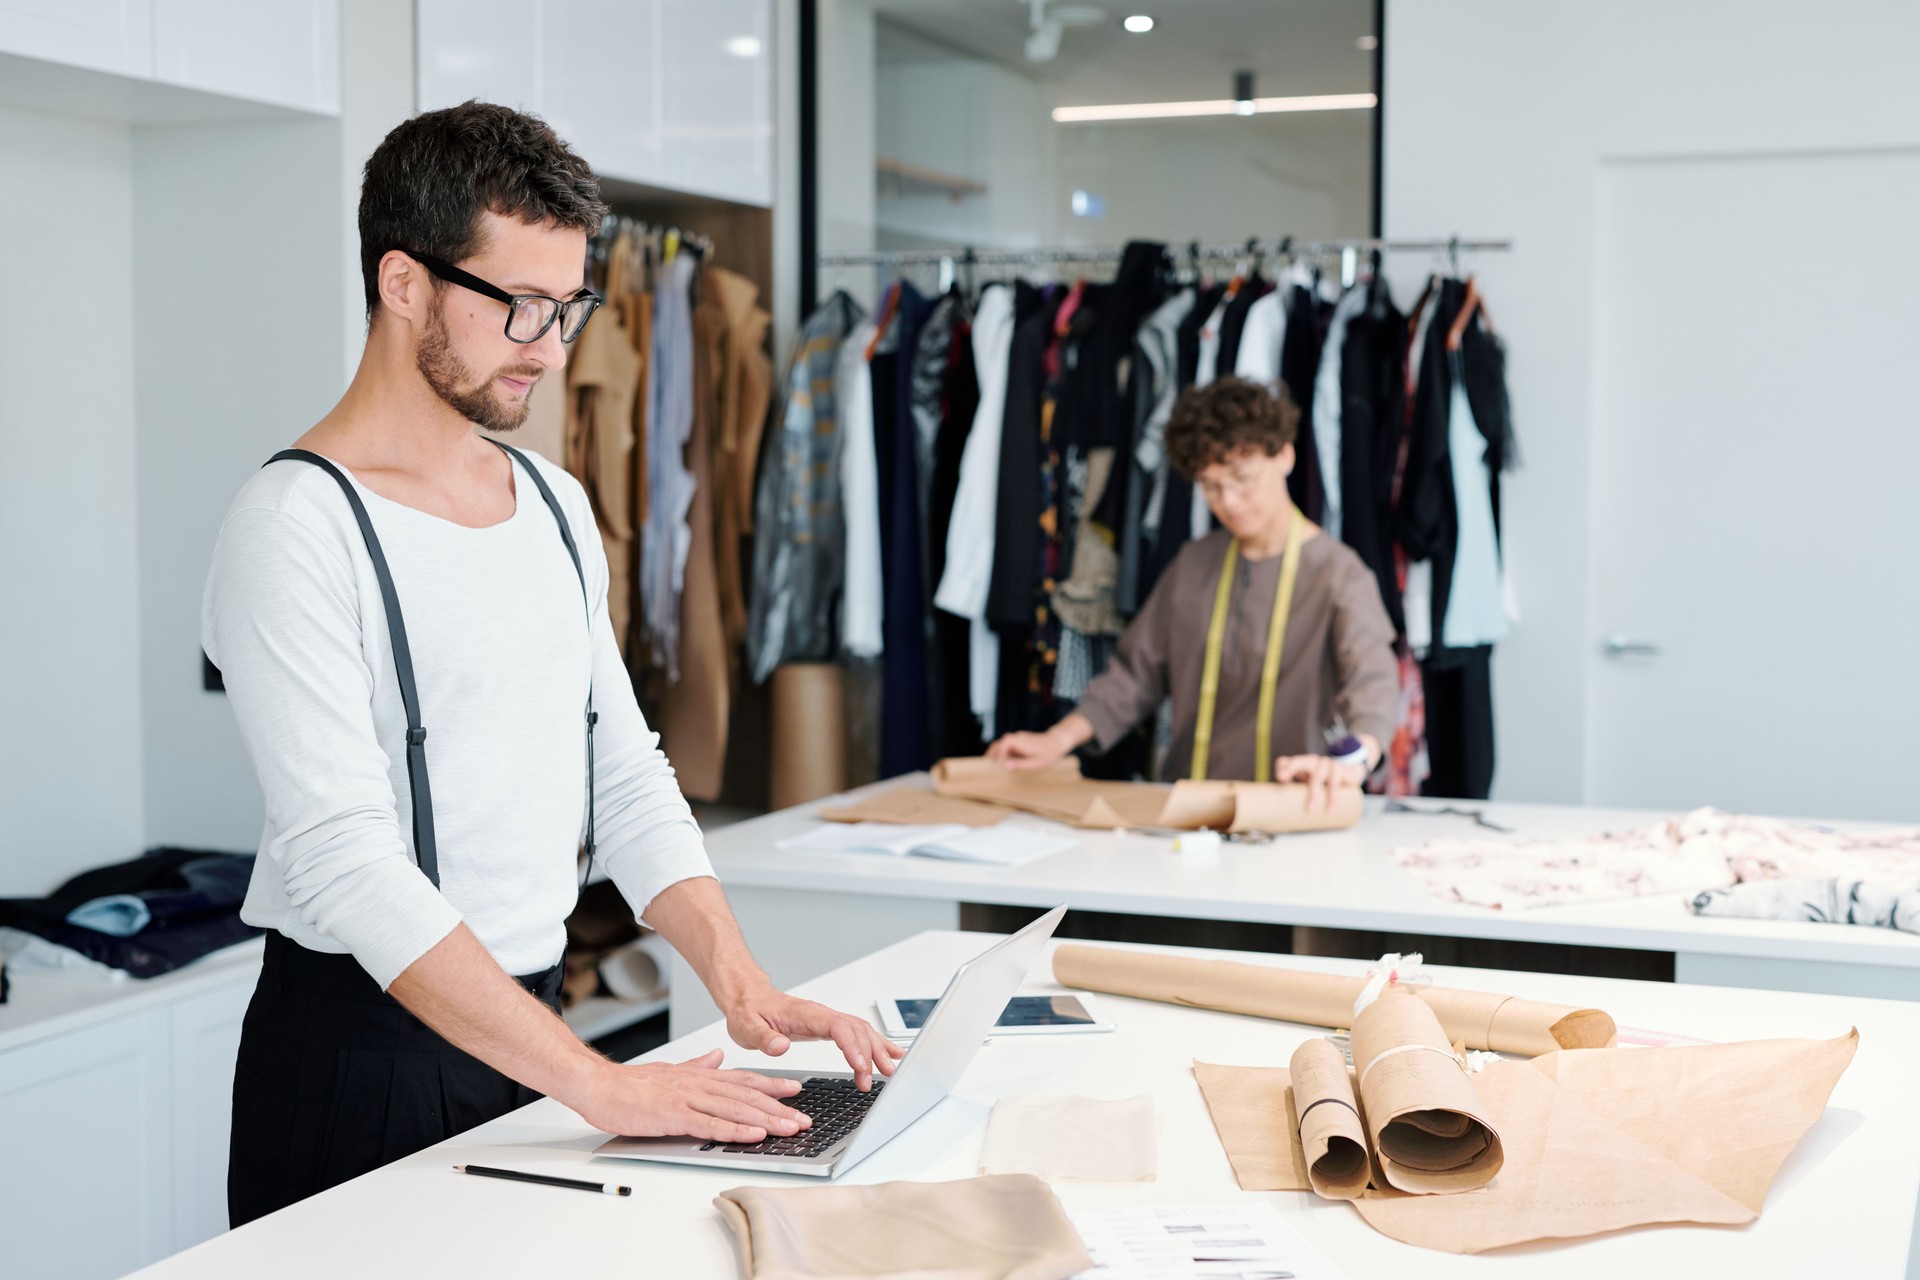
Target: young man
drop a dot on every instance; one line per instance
(389, 1016)
(1335, 666)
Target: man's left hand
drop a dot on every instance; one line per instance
(771, 1021)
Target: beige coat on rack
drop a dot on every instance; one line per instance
(745, 389)
(693, 728)
(603, 384)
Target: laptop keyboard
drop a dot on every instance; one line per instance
(836, 1107)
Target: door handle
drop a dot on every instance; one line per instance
(1615, 645)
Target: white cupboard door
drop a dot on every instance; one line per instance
(603, 88)
(285, 52)
(1753, 532)
(101, 35)
(484, 49)
(84, 1151)
(206, 1041)
(716, 93)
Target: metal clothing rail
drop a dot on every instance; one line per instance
(1278, 249)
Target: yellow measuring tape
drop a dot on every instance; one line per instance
(1270, 668)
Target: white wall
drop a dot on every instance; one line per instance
(1517, 148)
(237, 310)
(70, 632)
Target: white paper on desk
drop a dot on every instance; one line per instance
(1247, 1241)
(1005, 845)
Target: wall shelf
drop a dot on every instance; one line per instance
(896, 179)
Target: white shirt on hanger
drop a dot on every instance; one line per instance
(1476, 611)
(1258, 359)
(862, 603)
(963, 586)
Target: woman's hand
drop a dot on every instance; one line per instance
(1038, 750)
(1321, 774)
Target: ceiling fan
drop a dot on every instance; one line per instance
(1049, 22)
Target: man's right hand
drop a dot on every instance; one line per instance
(693, 1099)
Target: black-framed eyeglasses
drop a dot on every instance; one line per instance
(529, 315)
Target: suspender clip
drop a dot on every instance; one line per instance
(417, 737)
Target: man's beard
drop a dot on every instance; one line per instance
(451, 382)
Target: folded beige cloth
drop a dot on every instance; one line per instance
(1069, 1137)
(1008, 1227)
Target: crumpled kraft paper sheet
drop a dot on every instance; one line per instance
(1595, 1140)
(1060, 793)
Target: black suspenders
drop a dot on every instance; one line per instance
(423, 838)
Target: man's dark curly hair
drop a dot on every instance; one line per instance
(1213, 423)
(429, 181)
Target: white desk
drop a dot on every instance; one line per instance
(1844, 1202)
(806, 912)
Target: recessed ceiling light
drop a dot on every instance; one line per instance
(1139, 24)
(1367, 43)
(1214, 107)
(744, 46)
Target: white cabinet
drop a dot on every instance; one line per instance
(100, 35)
(115, 1106)
(282, 51)
(671, 94)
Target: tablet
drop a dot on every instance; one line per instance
(902, 1017)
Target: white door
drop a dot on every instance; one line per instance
(1756, 502)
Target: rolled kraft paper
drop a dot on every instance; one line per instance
(1423, 1113)
(1059, 792)
(809, 758)
(1478, 1019)
(1332, 1139)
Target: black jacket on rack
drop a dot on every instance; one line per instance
(1299, 367)
(1016, 522)
(1372, 399)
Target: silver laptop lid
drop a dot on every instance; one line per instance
(939, 1056)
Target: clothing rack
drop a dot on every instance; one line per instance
(1194, 253)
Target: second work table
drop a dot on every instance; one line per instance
(804, 913)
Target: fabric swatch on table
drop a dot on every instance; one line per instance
(1009, 1227)
(1821, 899)
(1072, 1137)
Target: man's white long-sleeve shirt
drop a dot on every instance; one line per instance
(499, 635)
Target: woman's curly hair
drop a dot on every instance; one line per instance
(1213, 423)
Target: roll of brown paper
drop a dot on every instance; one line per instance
(809, 734)
(1425, 1117)
(1332, 1139)
(1478, 1019)
(1060, 793)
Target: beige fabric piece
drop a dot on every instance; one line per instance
(1594, 1140)
(1478, 1019)
(1008, 1227)
(1429, 1130)
(1069, 1137)
(1085, 601)
(1060, 793)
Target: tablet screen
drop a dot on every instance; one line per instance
(1024, 1011)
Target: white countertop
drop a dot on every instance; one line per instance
(1843, 1202)
(45, 1004)
(1338, 879)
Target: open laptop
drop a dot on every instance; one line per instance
(849, 1126)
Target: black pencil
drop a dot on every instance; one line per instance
(604, 1188)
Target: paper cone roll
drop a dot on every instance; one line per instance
(1332, 1139)
(809, 758)
(1423, 1113)
(1478, 1019)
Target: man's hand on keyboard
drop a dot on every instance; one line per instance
(770, 1021)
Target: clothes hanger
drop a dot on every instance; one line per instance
(1457, 332)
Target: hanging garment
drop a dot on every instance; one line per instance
(1336, 669)
(745, 386)
(1017, 517)
(603, 377)
(1458, 688)
(956, 730)
(1372, 380)
(905, 743)
(970, 532)
(1085, 600)
(800, 528)
(1327, 400)
(666, 539)
(861, 608)
(1264, 332)
(1233, 323)
(1207, 353)
(1156, 371)
(693, 728)
(1476, 614)
(640, 309)
(1307, 324)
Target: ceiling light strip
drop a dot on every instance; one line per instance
(1212, 107)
